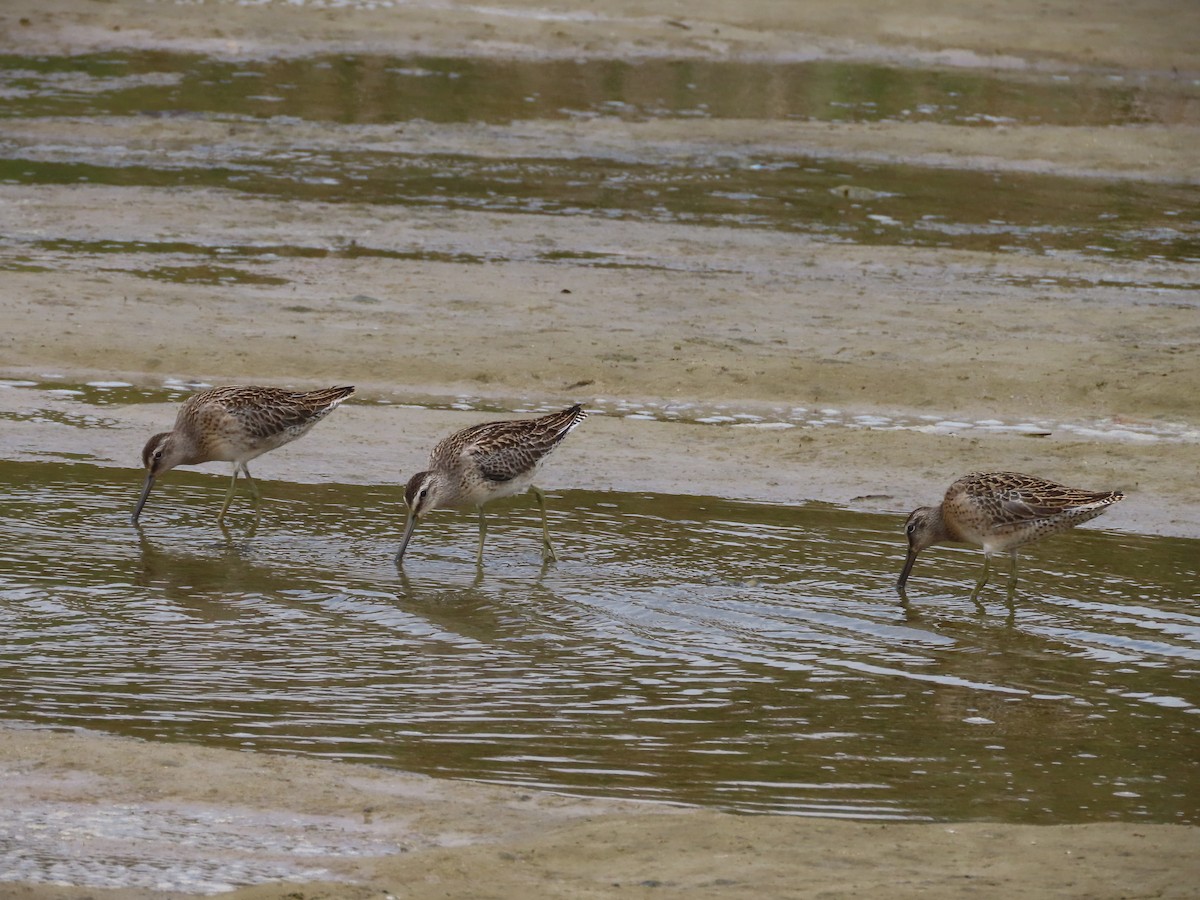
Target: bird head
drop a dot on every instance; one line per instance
(422, 495)
(923, 528)
(162, 453)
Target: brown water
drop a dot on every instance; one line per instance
(685, 649)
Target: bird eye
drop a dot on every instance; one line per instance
(157, 455)
(912, 526)
(423, 494)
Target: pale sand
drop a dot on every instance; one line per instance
(892, 330)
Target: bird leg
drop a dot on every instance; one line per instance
(228, 495)
(547, 549)
(1012, 577)
(983, 577)
(482, 533)
(254, 491)
(239, 467)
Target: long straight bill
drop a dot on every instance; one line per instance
(133, 520)
(409, 526)
(908, 565)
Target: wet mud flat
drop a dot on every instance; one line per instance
(786, 259)
(354, 831)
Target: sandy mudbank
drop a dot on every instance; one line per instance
(353, 832)
(1152, 35)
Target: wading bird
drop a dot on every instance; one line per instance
(234, 424)
(1000, 511)
(483, 463)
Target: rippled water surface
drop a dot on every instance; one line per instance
(685, 649)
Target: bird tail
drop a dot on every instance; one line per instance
(1090, 507)
(1105, 498)
(561, 423)
(330, 397)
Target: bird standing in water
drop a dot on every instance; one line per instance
(1000, 511)
(483, 463)
(234, 424)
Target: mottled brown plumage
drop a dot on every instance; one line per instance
(486, 462)
(234, 424)
(1000, 511)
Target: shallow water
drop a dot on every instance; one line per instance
(686, 649)
(873, 204)
(374, 89)
(564, 174)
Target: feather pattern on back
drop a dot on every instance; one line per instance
(1009, 502)
(262, 417)
(501, 451)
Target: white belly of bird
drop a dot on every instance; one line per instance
(518, 485)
